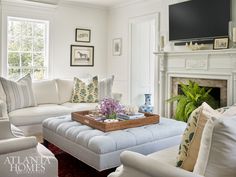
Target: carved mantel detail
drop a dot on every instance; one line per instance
(203, 64)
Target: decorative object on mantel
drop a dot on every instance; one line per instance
(82, 35)
(194, 46)
(234, 37)
(221, 43)
(147, 107)
(117, 46)
(162, 43)
(232, 33)
(193, 96)
(81, 55)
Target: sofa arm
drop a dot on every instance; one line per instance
(3, 110)
(135, 164)
(17, 144)
(5, 129)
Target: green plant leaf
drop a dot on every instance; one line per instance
(193, 96)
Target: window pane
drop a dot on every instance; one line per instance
(14, 44)
(26, 59)
(39, 30)
(38, 60)
(38, 74)
(26, 44)
(27, 47)
(13, 74)
(13, 59)
(27, 71)
(14, 28)
(38, 45)
(26, 28)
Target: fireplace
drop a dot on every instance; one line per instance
(210, 68)
(219, 89)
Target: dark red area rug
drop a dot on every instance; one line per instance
(72, 167)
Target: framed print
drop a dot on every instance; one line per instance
(81, 55)
(117, 45)
(82, 35)
(221, 43)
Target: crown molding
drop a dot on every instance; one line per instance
(73, 4)
(27, 4)
(126, 4)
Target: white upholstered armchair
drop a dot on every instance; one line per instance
(216, 158)
(23, 156)
(159, 164)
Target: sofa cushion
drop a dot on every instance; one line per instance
(105, 88)
(65, 88)
(85, 92)
(190, 144)
(217, 155)
(35, 115)
(166, 156)
(80, 106)
(18, 94)
(46, 92)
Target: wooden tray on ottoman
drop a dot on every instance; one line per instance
(84, 118)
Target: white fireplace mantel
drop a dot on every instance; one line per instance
(204, 64)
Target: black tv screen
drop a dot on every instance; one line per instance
(197, 19)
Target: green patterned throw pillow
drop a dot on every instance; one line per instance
(85, 92)
(189, 147)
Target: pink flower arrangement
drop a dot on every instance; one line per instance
(110, 108)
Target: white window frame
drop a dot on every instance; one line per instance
(46, 44)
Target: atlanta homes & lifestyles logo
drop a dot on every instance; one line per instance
(27, 165)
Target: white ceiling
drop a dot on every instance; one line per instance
(106, 3)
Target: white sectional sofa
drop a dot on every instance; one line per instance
(53, 99)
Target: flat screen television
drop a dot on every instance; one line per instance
(199, 19)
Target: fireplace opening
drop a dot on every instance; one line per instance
(219, 89)
(215, 93)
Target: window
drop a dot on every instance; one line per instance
(27, 48)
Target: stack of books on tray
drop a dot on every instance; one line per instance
(130, 116)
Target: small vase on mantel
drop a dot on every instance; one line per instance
(147, 107)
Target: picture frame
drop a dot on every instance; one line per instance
(81, 55)
(221, 43)
(117, 46)
(82, 35)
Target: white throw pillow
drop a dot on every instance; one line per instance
(46, 92)
(18, 94)
(105, 88)
(217, 154)
(65, 88)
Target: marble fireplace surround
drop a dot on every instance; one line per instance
(212, 83)
(211, 65)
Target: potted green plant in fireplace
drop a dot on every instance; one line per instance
(193, 96)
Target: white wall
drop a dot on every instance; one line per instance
(63, 18)
(66, 19)
(118, 26)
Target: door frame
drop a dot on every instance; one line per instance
(133, 20)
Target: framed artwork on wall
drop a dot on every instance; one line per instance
(117, 46)
(221, 43)
(82, 35)
(81, 55)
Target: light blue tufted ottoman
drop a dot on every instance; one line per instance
(101, 150)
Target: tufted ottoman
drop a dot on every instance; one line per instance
(101, 150)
